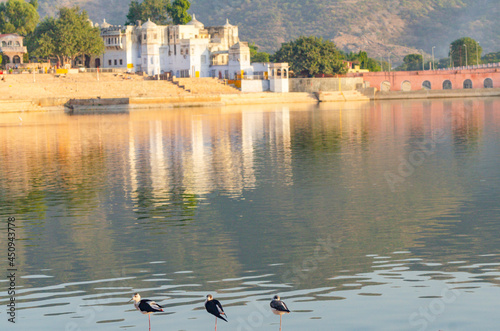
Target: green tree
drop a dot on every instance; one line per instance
(411, 62)
(491, 58)
(178, 11)
(308, 56)
(41, 43)
(364, 61)
(373, 65)
(361, 57)
(68, 36)
(383, 65)
(465, 51)
(18, 16)
(134, 13)
(155, 10)
(256, 56)
(443, 63)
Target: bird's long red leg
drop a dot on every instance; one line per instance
(280, 322)
(215, 323)
(149, 318)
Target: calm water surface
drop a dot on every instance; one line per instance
(362, 216)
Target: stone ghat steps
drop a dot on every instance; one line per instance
(85, 86)
(80, 77)
(109, 85)
(205, 85)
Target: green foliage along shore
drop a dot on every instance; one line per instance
(18, 16)
(66, 37)
(465, 51)
(161, 12)
(308, 56)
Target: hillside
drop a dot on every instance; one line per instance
(377, 26)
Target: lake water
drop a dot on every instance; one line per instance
(362, 216)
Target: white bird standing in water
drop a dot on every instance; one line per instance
(215, 308)
(279, 307)
(146, 306)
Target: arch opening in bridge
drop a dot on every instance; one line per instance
(406, 86)
(467, 84)
(447, 85)
(488, 83)
(385, 86)
(426, 85)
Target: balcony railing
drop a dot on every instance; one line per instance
(218, 63)
(18, 49)
(114, 45)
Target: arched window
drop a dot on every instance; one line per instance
(16, 59)
(385, 86)
(426, 85)
(488, 83)
(447, 85)
(278, 72)
(406, 86)
(6, 59)
(4, 44)
(285, 73)
(16, 43)
(467, 84)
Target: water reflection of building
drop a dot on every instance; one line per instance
(159, 175)
(173, 155)
(218, 150)
(211, 152)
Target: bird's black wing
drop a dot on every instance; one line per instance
(279, 306)
(219, 306)
(215, 308)
(149, 306)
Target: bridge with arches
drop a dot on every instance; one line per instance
(483, 76)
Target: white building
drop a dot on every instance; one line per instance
(189, 50)
(12, 49)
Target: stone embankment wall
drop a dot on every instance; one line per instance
(312, 85)
(436, 94)
(433, 80)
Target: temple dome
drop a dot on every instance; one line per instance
(149, 25)
(105, 24)
(196, 23)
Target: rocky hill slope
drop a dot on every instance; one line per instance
(377, 26)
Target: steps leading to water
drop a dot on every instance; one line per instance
(205, 85)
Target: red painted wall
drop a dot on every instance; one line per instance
(435, 77)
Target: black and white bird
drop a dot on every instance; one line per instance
(146, 306)
(279, 307)
(214, 307)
